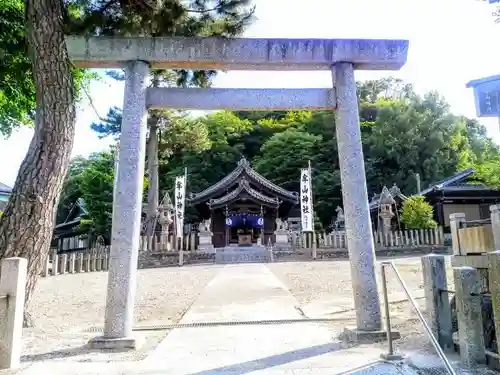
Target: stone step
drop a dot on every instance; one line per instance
(242, 255)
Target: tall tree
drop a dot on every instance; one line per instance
(27, 223)
(201, 18)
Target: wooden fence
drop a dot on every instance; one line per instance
(472, 237)
(88, 260)
(162, 243)
(298, 240)
(395, 239)
(97, 258)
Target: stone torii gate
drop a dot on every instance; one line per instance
(137, 55)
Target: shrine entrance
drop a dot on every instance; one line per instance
(244, 228)
(243, 207)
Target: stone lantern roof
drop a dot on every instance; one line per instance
(386, 197)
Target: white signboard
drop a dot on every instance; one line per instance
(180, 201)
(306, 210)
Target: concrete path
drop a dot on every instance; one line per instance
(250, 293)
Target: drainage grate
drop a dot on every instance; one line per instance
(218, 324)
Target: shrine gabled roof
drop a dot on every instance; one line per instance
(243, 170)
(459, 182)
(244, 190)
(5, 189)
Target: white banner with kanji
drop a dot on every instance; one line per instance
(180, 201)
(306, 209)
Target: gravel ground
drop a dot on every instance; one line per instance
(64, 306)
(313, 282)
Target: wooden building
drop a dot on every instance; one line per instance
(244, 204)
(68, 236)
(460, 193)
(457, 193)
(5, 192)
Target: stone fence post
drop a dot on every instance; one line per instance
(437, 299)
(12, 291)
(455, 221)
(469, 315)
(495, 225)
(494, 286)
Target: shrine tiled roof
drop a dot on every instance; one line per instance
(5, 189)
(243, 171)
(458, 180)
(243, 190)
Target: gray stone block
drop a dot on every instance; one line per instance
(437, 299)
(121, 343)
(469, 315)
(360, 337)
(237, 53)
(251, 254)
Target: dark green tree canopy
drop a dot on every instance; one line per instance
(222, 18)
(403, 133)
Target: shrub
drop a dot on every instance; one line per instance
(417, 213)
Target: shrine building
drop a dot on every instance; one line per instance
(243, 207)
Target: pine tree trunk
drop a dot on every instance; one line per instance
(27, 224)
(153, 188)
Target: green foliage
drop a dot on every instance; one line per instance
(17, 91)
(17, 88)
(282, 156)
(488, 173)
(109, 17)
(318, 225)
(402, 133)
(417, 213)
(92, 180)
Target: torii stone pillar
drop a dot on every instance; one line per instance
(125, 235)
(355, 197)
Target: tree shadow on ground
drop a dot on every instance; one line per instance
(69, 352)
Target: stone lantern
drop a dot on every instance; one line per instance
(386, 202)
(165, 218)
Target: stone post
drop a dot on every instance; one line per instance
(314, 249)
(495, 225)
(205, 237)
(455, 221)
(12, 291)
(469, 315)
(494, 286)
(127, 207)
(437, 299)
(281, 235)
(355, 198)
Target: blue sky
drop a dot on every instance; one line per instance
(451, 42)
